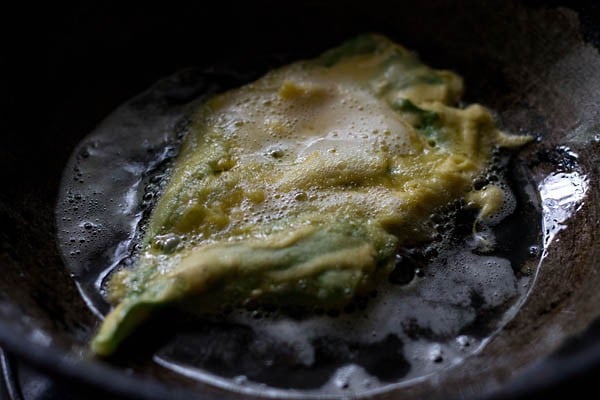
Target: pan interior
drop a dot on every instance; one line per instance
(442, 303)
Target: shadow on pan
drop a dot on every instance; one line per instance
(535, 63)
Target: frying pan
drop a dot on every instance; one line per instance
(535, 63)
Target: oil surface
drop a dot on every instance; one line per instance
(443, 302)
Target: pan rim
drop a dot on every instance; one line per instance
(532, 380)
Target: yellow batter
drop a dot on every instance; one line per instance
(299, 188)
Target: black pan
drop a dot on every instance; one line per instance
(535, 63)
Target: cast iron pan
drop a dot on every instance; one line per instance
(535, 63)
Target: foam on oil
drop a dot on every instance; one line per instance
(442, 303)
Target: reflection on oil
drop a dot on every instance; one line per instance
(562, 195)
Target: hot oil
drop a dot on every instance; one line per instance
(443, 302)
(116, 174)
